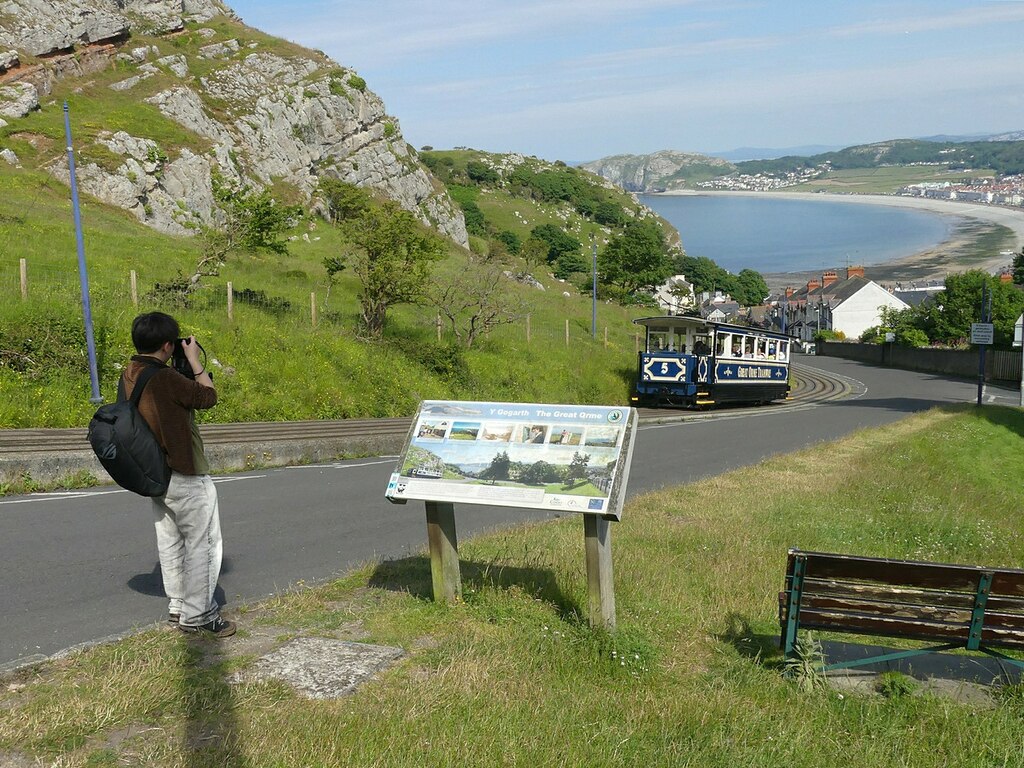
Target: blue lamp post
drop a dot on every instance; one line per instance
(83, 275)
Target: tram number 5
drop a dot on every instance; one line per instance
(664, 369)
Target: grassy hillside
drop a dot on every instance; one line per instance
(270, 363)
(1000, 157)
(516, 194)
(512, 675)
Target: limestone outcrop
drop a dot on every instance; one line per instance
(657, 171)
(257, 113)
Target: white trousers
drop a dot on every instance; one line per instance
(188, 541)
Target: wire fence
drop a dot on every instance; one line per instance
(115, 296)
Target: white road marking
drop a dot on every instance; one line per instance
(338, 465)
(65, 495)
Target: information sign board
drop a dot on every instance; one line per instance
(556, 457)
(1018, 331)
(982, 333)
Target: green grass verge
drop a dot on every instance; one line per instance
(270, 343)
(513, 675)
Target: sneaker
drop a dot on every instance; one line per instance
(217, 628)
(173, 618)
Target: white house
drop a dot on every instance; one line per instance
(857, 305)
(851, 306)
(675, 295)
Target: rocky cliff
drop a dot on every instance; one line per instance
(228, 101)
(659, 171)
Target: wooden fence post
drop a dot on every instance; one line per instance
(636, 342)
(527, 328)
(437, 322)
(23, 267)
(231, 301)
(134, 281)
(444, 551)
(567, 332)
(606, 336)
(312, 307)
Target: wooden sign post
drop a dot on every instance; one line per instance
(552, 457)
(600, 585)
(444, 552)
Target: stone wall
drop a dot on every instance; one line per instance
(1000, 364)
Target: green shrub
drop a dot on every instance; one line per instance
(911, 337)
(45, 346)
(447, 360)
(275, 305)
(355, 81)
(827, 335)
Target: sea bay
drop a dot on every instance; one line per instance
(777, 233)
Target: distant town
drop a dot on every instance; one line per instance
(1007, 190)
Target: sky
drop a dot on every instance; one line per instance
(577, 80)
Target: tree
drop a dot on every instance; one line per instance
(948, 316)
(248, 221)
(534, 252)
(1018, 268)
(558, 240)
(539, 473)
(475, 301)
(577, 467)
(751, 289)
(705, 274)
(343, 200)
(390, 253)
(610, 213)
(481, 173)
(568, 264)
(498, 469)
(637, 259)
(476, 223)
(511, 240)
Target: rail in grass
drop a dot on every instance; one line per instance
(691, 362)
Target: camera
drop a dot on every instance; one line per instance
(181, 364)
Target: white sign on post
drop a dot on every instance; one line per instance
(982, 333)
(1018, 332)
(573, 458)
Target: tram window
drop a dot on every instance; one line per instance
(761, 350)
(657, 341)
(783, 351)
(721, 345)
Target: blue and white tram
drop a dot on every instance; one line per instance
(692, 362)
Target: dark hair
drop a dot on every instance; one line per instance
(152, 330)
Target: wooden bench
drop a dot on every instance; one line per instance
(960, 606)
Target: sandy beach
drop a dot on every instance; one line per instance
(958, 253)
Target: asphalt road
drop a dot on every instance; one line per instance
(81, 566)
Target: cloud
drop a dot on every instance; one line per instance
(976, 15)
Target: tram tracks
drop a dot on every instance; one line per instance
(47, 454)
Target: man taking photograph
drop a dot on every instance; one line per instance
(188, 534)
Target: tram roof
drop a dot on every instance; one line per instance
(695, 321)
